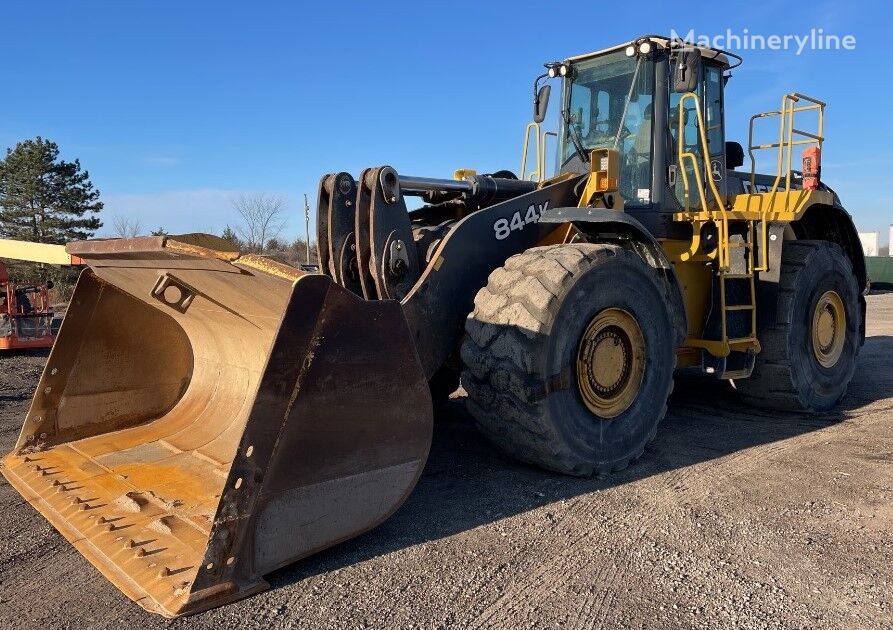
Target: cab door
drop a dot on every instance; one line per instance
(713, 166)
(713, 111)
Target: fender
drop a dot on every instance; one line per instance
(835, 224)
(611, 225)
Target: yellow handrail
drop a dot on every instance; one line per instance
(535, 175)
(545, 153)
(538, 174)
(785, 155)
(722, 245)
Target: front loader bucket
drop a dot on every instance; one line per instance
(205, 418)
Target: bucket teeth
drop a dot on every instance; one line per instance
(93, 519)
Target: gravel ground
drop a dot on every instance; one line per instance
(734, 518)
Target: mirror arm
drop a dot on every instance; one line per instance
(536, 90)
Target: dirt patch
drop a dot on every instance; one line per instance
(734, 518)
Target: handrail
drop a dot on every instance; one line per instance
(535, 175)
(786, 133)
(785, 155)
(538, 174)
(545, 154)
(693, 159)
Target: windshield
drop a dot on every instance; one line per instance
(609, 105)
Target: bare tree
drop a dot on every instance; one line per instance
(126, 227)
(262, 219)
(298, 252)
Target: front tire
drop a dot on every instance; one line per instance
(810, 345)
(569, 356)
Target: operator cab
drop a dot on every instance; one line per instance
(627, 98)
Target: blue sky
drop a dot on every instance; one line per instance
(174, 107)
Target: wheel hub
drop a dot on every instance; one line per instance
(828, 329)
(610, 363)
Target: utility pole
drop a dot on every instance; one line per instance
(307, 225)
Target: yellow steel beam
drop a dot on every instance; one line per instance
(36, 252)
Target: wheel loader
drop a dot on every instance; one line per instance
(207, 417)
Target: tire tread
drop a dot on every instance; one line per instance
(773, 384)
(502, 366)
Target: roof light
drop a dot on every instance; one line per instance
(552, 68)
(644, 48)
(562, 70)
(630, 51)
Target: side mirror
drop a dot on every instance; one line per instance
(541, 103)
(688, 70)
(734, 155)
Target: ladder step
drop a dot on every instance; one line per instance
(740, 307)
(735, 341)
(738, 245)
(736, 276)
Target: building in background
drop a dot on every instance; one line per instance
(870, 242)
(878, 260)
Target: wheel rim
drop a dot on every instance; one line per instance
(610, 363)
(828, 329)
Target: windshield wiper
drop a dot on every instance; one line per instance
(574, 133)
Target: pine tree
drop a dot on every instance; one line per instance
(230, 235)
(46, 199)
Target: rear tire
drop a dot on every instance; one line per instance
(809, 348)
(534, 387)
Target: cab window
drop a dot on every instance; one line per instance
(609, 105)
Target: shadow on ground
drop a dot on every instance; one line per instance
(468, 483)
(30, 352)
